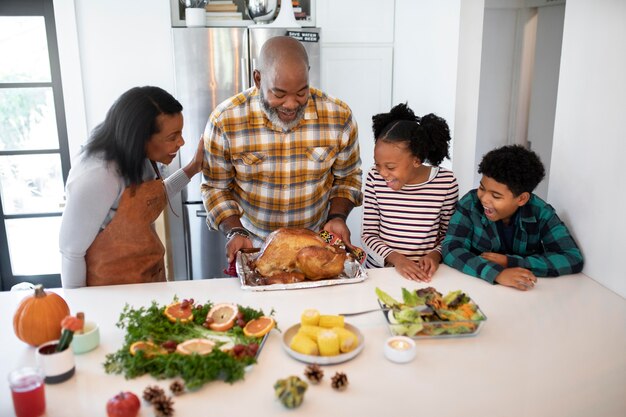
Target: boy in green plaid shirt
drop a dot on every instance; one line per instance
(502, 232)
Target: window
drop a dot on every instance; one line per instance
(34, 156)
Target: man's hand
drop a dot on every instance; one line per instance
(338, 213)
(498, 258)
(519, 278)
(339, 228)
(235, 244)
(237, 241)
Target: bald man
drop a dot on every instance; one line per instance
(280, 154)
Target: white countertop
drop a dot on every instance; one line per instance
(558, 350)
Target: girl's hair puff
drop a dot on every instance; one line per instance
(428, 138)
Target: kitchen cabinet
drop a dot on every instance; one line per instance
(357, 67)
(360, 75)
(363, 21)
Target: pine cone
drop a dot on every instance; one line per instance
(339, 381)
(314, 373)
(163, 406)
(152, 392)
(177, 387)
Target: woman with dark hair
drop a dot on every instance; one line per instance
(408, 204)
(115, 192)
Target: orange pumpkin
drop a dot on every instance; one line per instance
(38, 317)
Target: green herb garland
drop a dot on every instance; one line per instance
(150, 324)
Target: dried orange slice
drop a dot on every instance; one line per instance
(222, 317)
(180, 311)
(199, 346)
(149, 349)
(259, 327)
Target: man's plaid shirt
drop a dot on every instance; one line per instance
(541, 242)
(279, 179)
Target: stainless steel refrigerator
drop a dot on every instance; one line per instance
(213, 64)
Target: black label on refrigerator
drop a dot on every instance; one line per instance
(304, 36)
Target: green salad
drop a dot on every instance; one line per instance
(426, 312)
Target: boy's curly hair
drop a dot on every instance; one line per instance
(515, 166)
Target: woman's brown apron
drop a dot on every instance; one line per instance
(128, 250)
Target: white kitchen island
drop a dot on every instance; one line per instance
(558, 350)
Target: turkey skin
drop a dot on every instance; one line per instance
(294, 252)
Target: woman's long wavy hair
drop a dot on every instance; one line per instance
(128, 126)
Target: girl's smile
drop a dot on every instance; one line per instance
(397, 165)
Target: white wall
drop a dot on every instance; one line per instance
(122, 44)
(71, 73)
(587, 179)
(519, 79)
(497, 77)
(467, 93)
(425, 57)
(545, 86)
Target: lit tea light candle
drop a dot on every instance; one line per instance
(400, 349)
(399, 344)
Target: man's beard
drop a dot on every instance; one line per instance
(272, 114)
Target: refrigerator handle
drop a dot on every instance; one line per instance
(252, 68)
(244, 73)
(201, 213)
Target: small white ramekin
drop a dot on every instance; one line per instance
(400, 349)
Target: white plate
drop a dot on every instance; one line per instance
(322, 360)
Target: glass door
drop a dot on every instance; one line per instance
(34, 157)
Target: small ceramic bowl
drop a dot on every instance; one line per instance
(400, 349)
(57, 366)
(88, 340)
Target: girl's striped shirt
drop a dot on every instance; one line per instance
(412, 221)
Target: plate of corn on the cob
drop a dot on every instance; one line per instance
(322, 339)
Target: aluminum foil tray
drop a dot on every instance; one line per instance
(353, 272)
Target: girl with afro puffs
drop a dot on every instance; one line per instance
(505, 234)
(408, 203)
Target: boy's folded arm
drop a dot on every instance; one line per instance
(461, 258)
(457, 245)
(561, 255)
(550, 264)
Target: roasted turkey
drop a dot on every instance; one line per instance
(320, 263)
(291, 252)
